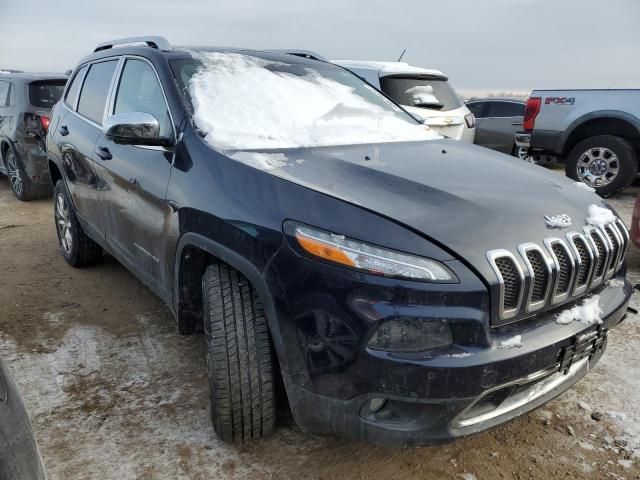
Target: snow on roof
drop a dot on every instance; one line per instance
(387, 68)
(245, 102)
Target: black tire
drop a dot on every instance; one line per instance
(21, 185)
(77, 248)
(626, 160)
(240, 357)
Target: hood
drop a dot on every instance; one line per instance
(465, 198)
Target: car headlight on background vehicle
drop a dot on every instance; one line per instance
(366, 257)
(411, 335)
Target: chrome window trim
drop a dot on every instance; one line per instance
(595, 281)
(549, 243)
(492, 256)
(575, 288)
(524, 249)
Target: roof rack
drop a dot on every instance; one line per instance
(159, 43)
(300, 53)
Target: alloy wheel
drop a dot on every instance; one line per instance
(63, 223)
(15, 177)
(598, 166)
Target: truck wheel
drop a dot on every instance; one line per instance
(604, 162)
(21, 185)
(239, 356)
(78, 249)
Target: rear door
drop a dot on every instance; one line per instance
(137, 176)
(76, 137)
(501, 120)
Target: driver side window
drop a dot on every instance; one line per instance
(139, 91)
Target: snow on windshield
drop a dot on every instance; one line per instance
(244, 102)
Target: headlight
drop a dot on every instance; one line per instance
(366, 257)
(411, 335)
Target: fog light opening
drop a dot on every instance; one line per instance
(376, 404)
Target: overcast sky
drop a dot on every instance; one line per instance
(482, 45)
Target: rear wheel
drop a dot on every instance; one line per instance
(604, 162)
(239, 356)
(22, 186)
(77, 248)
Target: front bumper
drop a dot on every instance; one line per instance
(429, 397)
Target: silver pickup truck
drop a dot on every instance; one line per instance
(595, 132)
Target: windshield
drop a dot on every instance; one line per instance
(422, 92)
(45, 93)
(246, 102)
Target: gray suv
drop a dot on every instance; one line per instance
(26, 100)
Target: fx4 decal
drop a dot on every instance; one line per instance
(560, 100)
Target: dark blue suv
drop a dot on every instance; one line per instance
(394, 285)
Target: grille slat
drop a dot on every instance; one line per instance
(512, 283)
(565, 269)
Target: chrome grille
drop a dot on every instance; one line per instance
(561, 269)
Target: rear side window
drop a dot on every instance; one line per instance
(45, 93)
(139, 91)
(477, 108)
(74, 88)
(505, 109)
(93, 97)
(4, 93)
(423, 92)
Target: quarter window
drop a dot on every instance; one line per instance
(477, 108)
(505, 109)
(74, 88)
(139, 91)
(93, 97)
(4, 93)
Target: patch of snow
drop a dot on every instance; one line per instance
(599, 216)
(615, 282)
(584, 406)
(625, 463)
(588, 312)
(468, 476)
(584, 186)
(244, 102)
(456, 355)
(513, 342)
(422, 94)
(262, 161)
(53, 316)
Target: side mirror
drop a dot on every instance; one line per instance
(135, 128)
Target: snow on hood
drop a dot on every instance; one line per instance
(245, 102)
(599, 216)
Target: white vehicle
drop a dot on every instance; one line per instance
(425, 93)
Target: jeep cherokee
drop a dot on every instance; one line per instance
(403, 288)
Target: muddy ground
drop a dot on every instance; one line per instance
(115, 393)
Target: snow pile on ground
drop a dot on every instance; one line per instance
(245, 102)
(599, 216)
(588, 312)
(513, 342)
(584, 186)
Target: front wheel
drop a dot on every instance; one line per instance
(604, 162)
(77, 248)
(240, 357)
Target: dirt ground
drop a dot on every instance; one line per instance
(115, 393)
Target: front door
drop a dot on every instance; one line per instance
(136, 177)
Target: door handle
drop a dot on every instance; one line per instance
(64, 131)
(104, 153)
(517, 124)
